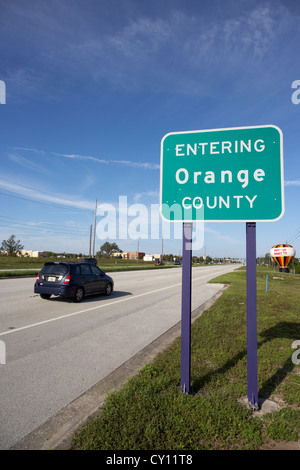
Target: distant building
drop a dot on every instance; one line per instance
(30, 253)
(120, 255)
(135, 255)
(148, 258)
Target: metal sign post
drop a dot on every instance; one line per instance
(251, 315)
(186, 307)
(222, 175)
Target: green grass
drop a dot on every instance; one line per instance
(19, 273)
(150, 412)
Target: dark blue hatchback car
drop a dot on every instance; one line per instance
(72, 279)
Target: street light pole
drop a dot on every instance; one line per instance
(95, 227)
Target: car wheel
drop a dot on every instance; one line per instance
(108, 289)
(79, 294)
(45, 296)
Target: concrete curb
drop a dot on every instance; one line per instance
(57, 433)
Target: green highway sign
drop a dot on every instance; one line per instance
(222, 175)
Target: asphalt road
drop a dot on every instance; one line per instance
(56, 350)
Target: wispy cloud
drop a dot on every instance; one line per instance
(292, 183)
(26, 192)
(130, 163)
(30, 149)
(24, 83)
(183, 45)
(141, 38)
(27, 163)
(220, 236)
(146, 194)
(173, 51)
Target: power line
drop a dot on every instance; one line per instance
(33, 230)
(48, 223)
(292, 240)
(45, 203)
(295, 239)
(294, 234)
(17, 195)
(15, 222)
(37, 190)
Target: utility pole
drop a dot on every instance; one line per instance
(95, 228)
(162, 246)
(91, 229)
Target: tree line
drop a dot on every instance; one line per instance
(13, 247)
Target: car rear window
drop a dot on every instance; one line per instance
(58, 269)
(95, 269)
(76, 269)
(85, 269)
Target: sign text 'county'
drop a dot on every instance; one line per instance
(222, 175)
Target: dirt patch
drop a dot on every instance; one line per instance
(273, 445)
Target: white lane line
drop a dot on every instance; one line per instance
(98, 306)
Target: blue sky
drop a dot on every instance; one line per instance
(93, 86)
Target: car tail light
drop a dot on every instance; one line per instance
(68, 279)
(38, 277)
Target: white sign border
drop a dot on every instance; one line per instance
(217, 130)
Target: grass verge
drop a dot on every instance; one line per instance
(150, 412)
(19, 273)
(12, 266)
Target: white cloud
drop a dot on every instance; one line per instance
(25, 162)
(185, 54)
(220, 236)
(146, 194)
(22, 191)
(143, 165)
(141, 38)
(24, 83)
(292, 183)
(173, 51)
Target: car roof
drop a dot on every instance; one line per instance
(48, 263)
(62, 262)
(90, 260)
